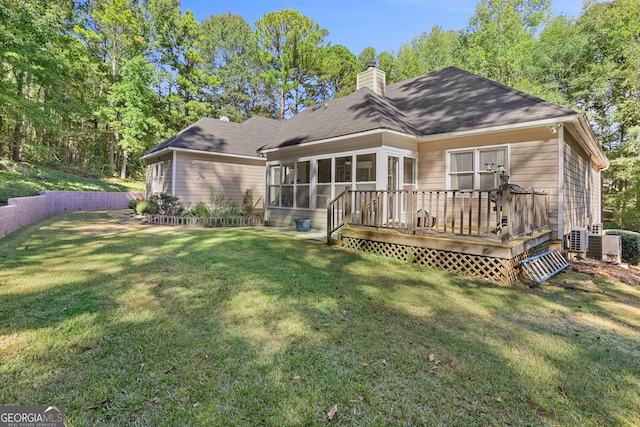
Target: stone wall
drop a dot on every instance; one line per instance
(22, 211)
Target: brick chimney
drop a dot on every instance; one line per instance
(373, 78)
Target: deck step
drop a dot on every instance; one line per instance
(541, 267)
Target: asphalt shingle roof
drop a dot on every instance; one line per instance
(444, 101)
(217, 136)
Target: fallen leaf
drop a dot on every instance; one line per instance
(359, 400)
(172, 368)
(365, 364)
(384, 362)
(100, 404)
(142, 365)
(449, 361)
(332, 413)
(196, 404)
(345, 312)
(296, 378)
(153, 401)
(433, 370)
(432, 358)
(85, 349)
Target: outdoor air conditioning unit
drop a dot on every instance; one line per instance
(596, 229)
(605, 248)
(578, 239)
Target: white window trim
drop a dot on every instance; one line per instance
(382, 154)
(476, 161)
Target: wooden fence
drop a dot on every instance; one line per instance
(233, 221)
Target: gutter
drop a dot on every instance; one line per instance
(208, 153)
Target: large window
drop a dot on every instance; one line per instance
(476, 168)
(289, 185)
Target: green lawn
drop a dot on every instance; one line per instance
(134, 325)
(24, 179)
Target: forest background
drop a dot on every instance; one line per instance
(90, 85)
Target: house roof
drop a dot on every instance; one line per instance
(445, 102)
(221, 137)
(449, 100)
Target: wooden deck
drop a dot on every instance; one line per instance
(477, 257)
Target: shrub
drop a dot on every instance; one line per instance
(164, 204)
(630, 245)
(247, 202)
(201, 210)
(142, 207)
(221, 205)
(133, 203)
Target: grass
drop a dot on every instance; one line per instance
(133, 325)
(24, 179)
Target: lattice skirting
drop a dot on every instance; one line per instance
(489, 268)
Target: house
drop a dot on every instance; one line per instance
(419, 170)
(211, 157)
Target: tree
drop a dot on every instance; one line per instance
(34, 70)
(289, 46)
(430, 52)
(133, 110)
(500, 35)
(114, 31)
(229, 53)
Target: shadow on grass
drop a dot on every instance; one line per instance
(232, 327)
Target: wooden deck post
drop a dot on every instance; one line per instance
(506, 220)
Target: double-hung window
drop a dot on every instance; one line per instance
(476, 168)
(158, 178)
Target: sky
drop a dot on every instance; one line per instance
(356, 24)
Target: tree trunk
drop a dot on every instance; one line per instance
(16, 147)
(123, 168)
(281, 104)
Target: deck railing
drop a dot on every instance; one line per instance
(497, 214)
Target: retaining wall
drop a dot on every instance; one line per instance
(21, 211)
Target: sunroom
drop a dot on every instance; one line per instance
(303, 187)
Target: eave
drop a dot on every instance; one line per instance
(204, 152)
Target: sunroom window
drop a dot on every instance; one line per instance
(323, 188)
(289, 185)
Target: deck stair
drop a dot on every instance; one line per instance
(541, 267)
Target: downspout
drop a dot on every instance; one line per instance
(561, 159)
(173, 174)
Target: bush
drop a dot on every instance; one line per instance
(630, 245)
(224, 206)
(164, 204)
(201, 210)
(133, 203)
(247, 202)
(142, 207)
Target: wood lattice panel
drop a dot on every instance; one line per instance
(482, 267)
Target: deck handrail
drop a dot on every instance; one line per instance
(336, 214)
(497, 213)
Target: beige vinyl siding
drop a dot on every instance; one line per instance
(533, 161)
(285, 217)
(167, 163)
(199, 177)
(578, 186)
